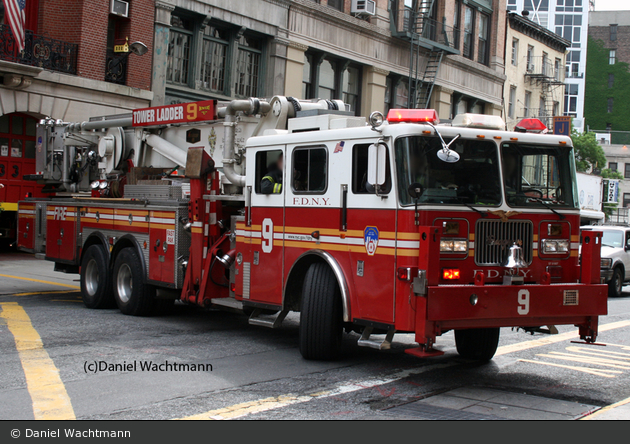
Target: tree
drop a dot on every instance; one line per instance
(588, 153)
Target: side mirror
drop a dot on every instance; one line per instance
(415, 190)
(377, 164)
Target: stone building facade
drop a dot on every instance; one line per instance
(311, 49)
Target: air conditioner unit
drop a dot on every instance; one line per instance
(363, 7)
(120, 7)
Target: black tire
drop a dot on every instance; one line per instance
(321, 320)
(96, 283)
(133, 295)
(616, 283)
(478, 344)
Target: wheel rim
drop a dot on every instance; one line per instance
(92, 277)
(618, 284)
(124, 283)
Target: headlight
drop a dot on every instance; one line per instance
(453, 246)
(606, 262)
(551, 246)
(103, 185)
(96, 184)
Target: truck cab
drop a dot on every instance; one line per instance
(615, 263)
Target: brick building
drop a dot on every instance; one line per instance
(68, 70)
(608, 74)
(452, 50)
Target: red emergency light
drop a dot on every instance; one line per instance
(413, 116)
(451, 274)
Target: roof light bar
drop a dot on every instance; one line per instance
(413, 116)
(479, 121)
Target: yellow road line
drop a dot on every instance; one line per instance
(590, 371)
(40, 281)
(48, 393)
(606, 409)
(39, 293)
(554, 339)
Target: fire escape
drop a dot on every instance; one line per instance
(548, 77)
(429, 41)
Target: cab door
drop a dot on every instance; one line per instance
(371, 219)
(264, 230)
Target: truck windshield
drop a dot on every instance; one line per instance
(539, 176)
(474, 180)
(612, 238)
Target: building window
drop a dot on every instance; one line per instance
(396, 93)
(327, 80)
(626, 173)
(511, 5)
(337, 4)
(610, 104)
(512, 102)
(528, 103)
(457, 24)
(514, 52)
(307, 78)
(571, 93)
(530, 58)
(351, 87)
(613, 33)
(612, 166)
(612, 57)
(179, 48)
(557, 68)
(248, 66)
(611, 80)
(482, 56)
(214, 59)
(569, 26)
(469, 29)
(626, 200)
(573, 64)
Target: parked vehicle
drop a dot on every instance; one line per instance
(615, 257)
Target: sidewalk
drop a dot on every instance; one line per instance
(619, 410)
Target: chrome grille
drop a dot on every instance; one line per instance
(493, 238)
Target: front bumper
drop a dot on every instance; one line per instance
(487, 306)
(606, 274)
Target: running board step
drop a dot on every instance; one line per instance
(273, 321)
(385, 344)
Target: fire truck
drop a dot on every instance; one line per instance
(376, 226)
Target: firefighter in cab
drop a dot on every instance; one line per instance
(272, 182)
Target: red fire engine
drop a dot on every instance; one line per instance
(377, 226)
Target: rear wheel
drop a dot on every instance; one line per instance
(479, 344)
(96, 288)
(616, 283)
(133, 296)
(321, 321)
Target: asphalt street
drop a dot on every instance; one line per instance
(52, 348)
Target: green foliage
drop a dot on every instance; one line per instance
(607, 173)
(597, 91)
(588, 153)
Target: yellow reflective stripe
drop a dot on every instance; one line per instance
(277, 188)
(269, 178)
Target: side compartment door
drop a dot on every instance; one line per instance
(161, 246)
(267, 226)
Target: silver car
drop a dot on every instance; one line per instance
(615, 265)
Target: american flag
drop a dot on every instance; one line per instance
(14, 12)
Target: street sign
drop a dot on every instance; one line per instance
(562, 125)
(611, 190)
(175, 114)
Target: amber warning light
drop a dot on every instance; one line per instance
(451, 274)
(413, 116)
(176, 114)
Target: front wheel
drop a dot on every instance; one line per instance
(321, 320)
(133, 295)
(478, 344)
(616, 284)
(96, 287)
